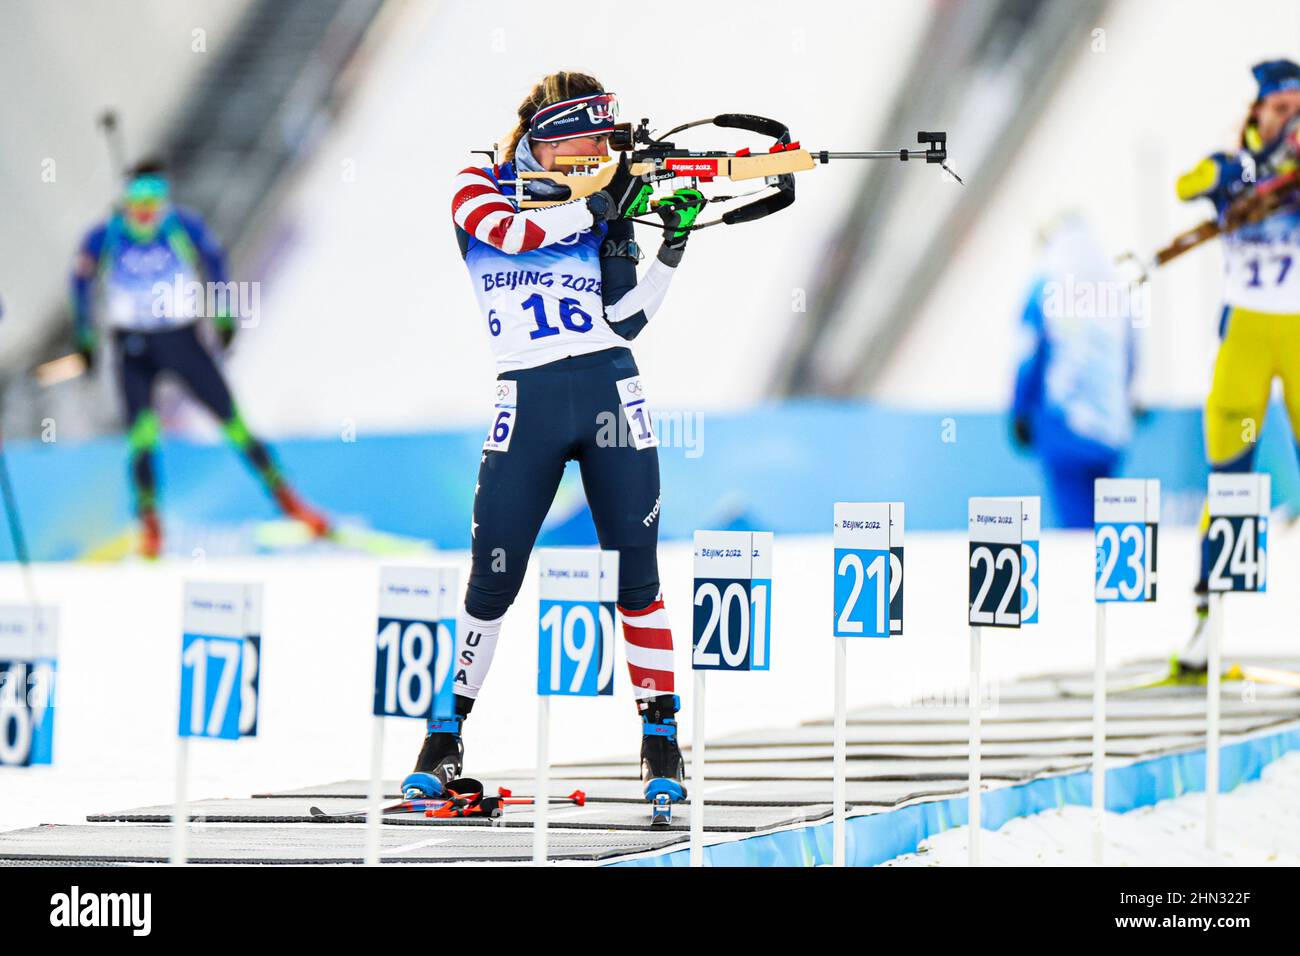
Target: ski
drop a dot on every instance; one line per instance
(1170, 678)
(1263, 675)
(288, 535)
(1157, 679)
(450, 807)
(426, 806)
(463, 797)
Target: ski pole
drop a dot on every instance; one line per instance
(577, 799)
(113, 139)
(16, 526)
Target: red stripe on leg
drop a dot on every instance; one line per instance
(651, 637)
(656, 605)
(650, 682)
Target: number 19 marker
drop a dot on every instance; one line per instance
(578, 591)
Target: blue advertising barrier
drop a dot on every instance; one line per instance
(874, 838)
(775, 467)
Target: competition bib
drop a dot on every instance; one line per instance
(631, 394)
(1262, 265)
(503, 417)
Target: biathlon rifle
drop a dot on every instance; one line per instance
(658, 159)
(1261, 202)
(1271, 194)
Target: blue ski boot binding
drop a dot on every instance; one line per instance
(441, 760)
(662, 767)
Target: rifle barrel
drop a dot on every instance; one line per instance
(866, 154)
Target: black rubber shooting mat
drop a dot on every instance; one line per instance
(756, 781)
(309, 843)
(722, 818)
(780, 793)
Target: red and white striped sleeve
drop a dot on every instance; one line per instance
(480, 208)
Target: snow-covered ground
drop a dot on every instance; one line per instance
(120, 644)
(1259, 825)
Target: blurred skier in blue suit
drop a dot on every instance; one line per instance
(1072, 403)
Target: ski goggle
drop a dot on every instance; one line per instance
(146, 189)
(144, 201)
(569, 119)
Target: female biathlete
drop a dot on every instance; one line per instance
(558, 291)
(1260, 325)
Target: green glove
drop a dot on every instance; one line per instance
(86, 347)
(641, 203)
(225, 327)
(679, 212)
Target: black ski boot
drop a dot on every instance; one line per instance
(662, 767)
(442, 757)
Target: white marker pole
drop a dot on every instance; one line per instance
(375, 812)
(697, 772)
(1214, 672)
(541, 800)
(974, 817)
(1099, 739)
(181, 814)
(841, 734)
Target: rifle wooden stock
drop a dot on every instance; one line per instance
(736, 168)
(1265, 200)
(1187, 240)
(61, 369)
